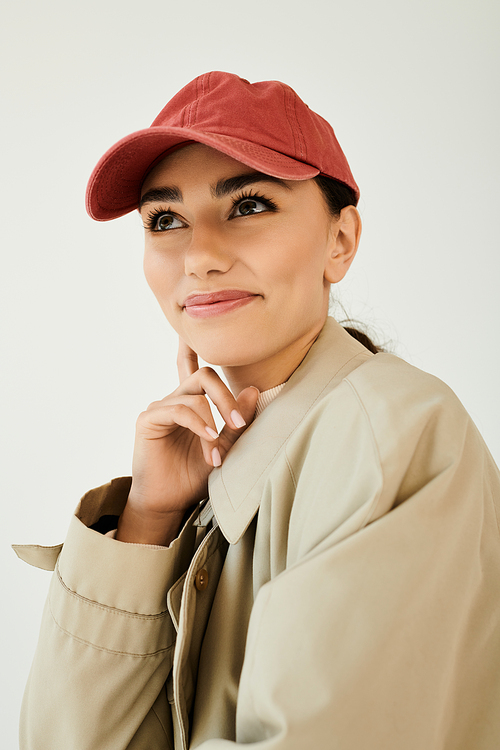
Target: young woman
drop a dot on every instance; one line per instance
(324, 573)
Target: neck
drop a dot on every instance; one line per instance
(272, 371)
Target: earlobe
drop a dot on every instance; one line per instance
(346, 233)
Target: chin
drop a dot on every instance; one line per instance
(223, 353)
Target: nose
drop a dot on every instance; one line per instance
(206, 253)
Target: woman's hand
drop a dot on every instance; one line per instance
(176, 448)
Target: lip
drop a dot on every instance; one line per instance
(207, 305)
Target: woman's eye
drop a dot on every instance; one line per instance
(166, 221)
(249, 206)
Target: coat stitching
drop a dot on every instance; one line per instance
(109, 650)
(104, 608)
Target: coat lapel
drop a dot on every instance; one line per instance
(236, 488)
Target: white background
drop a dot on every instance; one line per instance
(411, 89)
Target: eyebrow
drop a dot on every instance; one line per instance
(161, 195)
(223, 188)
(232, 184)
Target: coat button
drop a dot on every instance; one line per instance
(201, 580)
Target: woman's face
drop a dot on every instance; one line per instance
(237, 261)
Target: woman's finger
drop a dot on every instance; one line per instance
(187, 361)
(155, 424)
(246, 403)
(192, 413)
(206, 382)
(162, 416)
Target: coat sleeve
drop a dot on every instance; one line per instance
(106, 640)
(388, 636)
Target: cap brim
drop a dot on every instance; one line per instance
(114, 186)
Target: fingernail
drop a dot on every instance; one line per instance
(237, 419)
(216, 459)
(211, 432)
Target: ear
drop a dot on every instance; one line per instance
(345, 236)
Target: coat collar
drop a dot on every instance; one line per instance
(236, 488)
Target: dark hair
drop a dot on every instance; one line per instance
(337, 196)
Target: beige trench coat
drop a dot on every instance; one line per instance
(344, 596)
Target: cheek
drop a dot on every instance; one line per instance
(152, 275)
(297, 260)
(159, 276)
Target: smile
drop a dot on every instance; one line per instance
(217, 303)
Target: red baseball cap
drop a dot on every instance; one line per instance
(264, 125)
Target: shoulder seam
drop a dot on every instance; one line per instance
(375, 447)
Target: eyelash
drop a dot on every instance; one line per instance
(153, 217)
(155, 213)
(254, 195)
